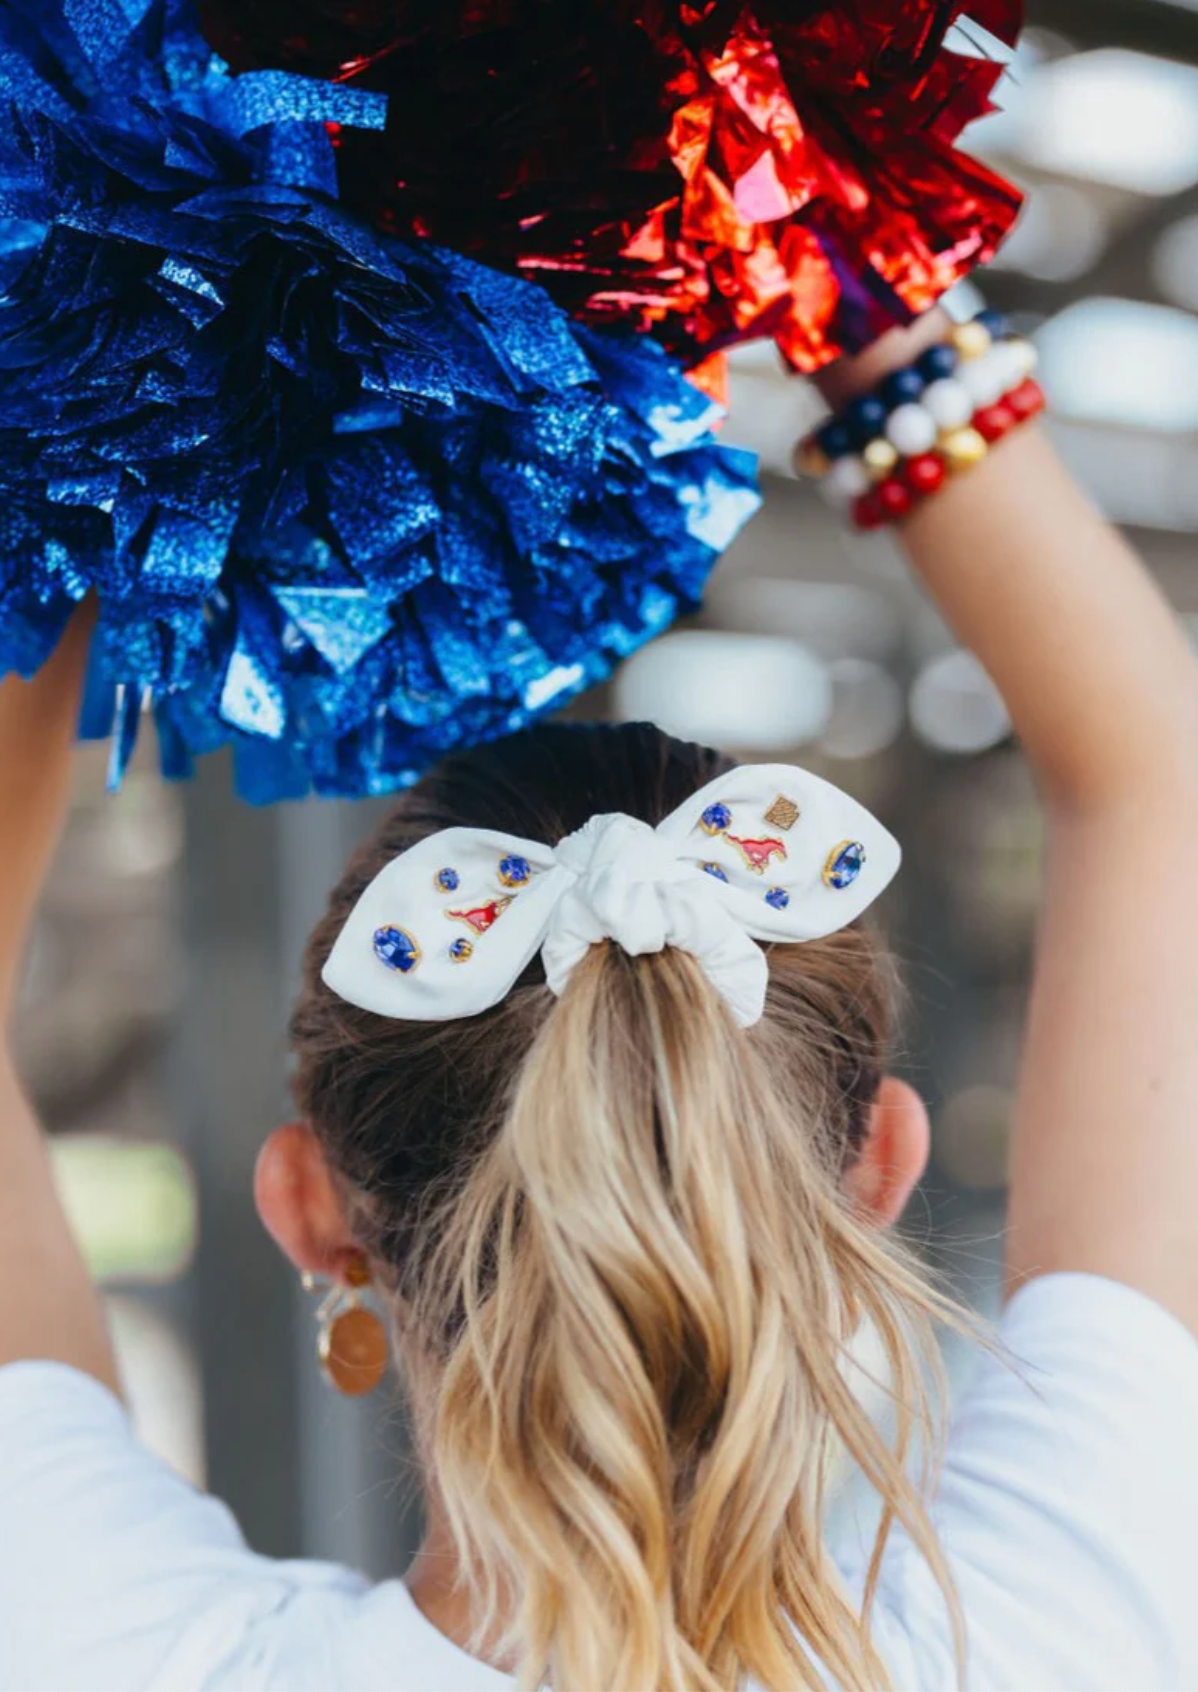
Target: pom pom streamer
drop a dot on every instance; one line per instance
(346, 501)
(705, 169)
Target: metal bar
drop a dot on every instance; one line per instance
(227, 1081)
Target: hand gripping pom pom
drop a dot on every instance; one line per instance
(346, 501)
(705, 169)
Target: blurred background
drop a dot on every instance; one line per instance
(152, 1026)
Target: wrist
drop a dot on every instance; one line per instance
(930, 402)
(849, 377)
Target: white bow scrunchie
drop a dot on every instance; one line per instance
(768, 852)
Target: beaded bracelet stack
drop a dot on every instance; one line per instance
(897, 445)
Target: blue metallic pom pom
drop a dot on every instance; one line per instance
(346, 502)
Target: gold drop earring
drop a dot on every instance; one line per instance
(351, 1339)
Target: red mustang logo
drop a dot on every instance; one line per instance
(481, 917)
(758, 854)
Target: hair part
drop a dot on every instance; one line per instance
(626, 1270)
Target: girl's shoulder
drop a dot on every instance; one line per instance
(1065, 1505)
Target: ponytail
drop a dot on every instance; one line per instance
(650, 1279)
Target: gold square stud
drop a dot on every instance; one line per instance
(783, 813)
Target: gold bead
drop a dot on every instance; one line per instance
(811, 459)
(971, 339)
(880, 458)
(963, 448)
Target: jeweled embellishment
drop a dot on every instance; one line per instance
(783, 813)
(715, 819)
(778, 897)
(462, 950)
(844, 865)
(448, 880)
(717, 870)
(758, 854)
(515, 871)
(396, 948)
(481, 917)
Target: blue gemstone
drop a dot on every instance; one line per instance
(937, 363)
(778, 897)
(845, 865)
(903, 388)
(461, 949)
(396, 949)
(835, 439)
(514, 871)
(866, 418)
(716, 818)
(714, 869)
(448, 880)
(995, 322)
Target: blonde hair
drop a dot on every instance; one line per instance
(625, 1262)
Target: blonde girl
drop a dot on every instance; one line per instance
(627, 1212)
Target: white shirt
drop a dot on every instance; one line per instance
(1069, 1509)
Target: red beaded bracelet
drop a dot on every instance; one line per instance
(917, 478)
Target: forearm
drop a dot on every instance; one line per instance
(48, 1308)
(1096, 673)
(37, 731)
(1103, 691)
(1099, 680)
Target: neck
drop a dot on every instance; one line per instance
(436, 1582)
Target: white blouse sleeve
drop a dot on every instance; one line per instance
(115, 1574)
(1068, 1506)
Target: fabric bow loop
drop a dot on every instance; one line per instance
(763, 854)
(622, 871)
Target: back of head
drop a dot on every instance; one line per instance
(624, 1269)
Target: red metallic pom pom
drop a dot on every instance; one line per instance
(868, 512)
(1027, 400)
(705, 169)
(923, 475)
(894, 497)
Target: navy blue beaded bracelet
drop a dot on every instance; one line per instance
(913, 408)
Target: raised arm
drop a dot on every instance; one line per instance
(48, 1307)
(1103, 691)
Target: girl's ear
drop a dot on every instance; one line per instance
(895, 1153)
(299, 1204)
